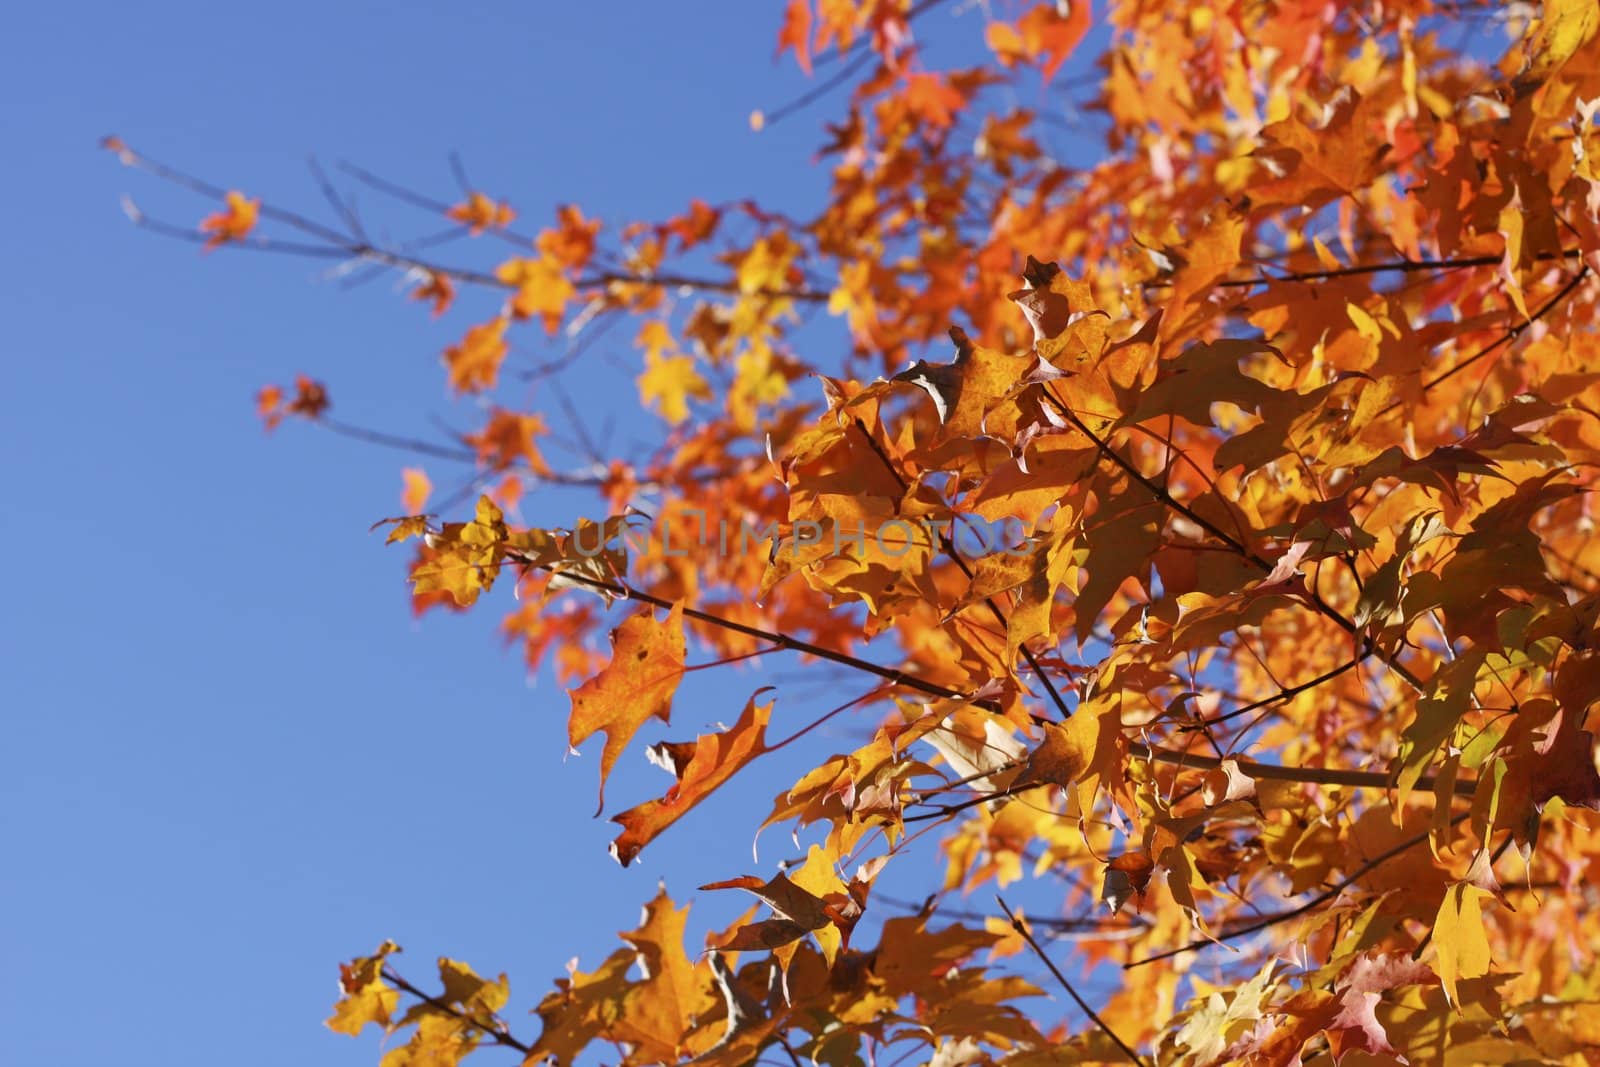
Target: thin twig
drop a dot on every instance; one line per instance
(1016, 924)
(1401, 266)
(1234, 544)
(1315, 902)
(500, 1037)
(949, 546)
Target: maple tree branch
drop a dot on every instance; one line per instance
(501, 1037)
(1404, 266)
(1506, 338)
(618, 588)
(253, 243)
(1273, 919)
(395, 441)
(1307, 775)
(1137, 749)
(1195, 762)
(949, 546)
(817, 92)
(1087, 924)
(399, 192)
(1234, 544)
(1278, 772)
(355, 246)
(1017, 925)
(1184, 760)
(806, 729)
(917, 9)
(438, 451)
(1289, 692)
(608, 278)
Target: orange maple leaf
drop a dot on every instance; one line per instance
(709, 762)
(310, 398)
(438, 288)
(414, 497)
(696, 226)
(796, 33)
(480, 213)
(1050, 36)
(232, 224)
(269, 405)
(932, 98)
(475, 363)
(646, 666)
(509, 438)
(572, 242)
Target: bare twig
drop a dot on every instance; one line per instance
(1017, 925)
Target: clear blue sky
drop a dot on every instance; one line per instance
(232, 758)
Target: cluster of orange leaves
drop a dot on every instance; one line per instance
(309, 400)
(1298, 414)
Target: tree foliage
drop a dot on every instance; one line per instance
(1198, 523)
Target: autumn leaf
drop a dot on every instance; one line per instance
(464, 560)
(1360, 990)
(1461, 944)
(365, 996)
(269, 406)
(1564, 27)
(1047, 34)
(708, 763)
(1083, 754)
(1227, 782)
(965, 390)
(787, 900)
(796, 33)
(439, 289)
(932, 98)
(403, 528)
(234, 223)
(669, 383)
(310, 398)
(637, 685)
(1125, 877)
(509, 439)
(414, 497)
(479, 213)
(571, 242)
(582, 1007)
(541, 289)
(657, 1012)
(475, 363)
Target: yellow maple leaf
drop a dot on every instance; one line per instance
(668, 382)
(367, 998)
(1459, 939)
(1564, 27)
(542, 289)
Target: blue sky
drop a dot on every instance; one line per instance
(234, 758)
